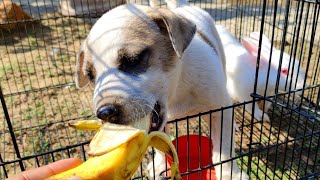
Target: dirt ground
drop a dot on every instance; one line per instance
(36, 71)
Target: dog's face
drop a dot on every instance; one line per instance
(130, 55)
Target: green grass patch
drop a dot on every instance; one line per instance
(34, 112)
(86, 112)
(259, 170)
(7, 69)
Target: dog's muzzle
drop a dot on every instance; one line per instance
(111, 113)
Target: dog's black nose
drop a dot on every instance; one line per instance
(107, 113)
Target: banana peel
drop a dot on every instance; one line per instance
(117, 150)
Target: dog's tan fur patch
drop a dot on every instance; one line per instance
(85, 71)
(166, 34)
(141, 34)
(163, 34)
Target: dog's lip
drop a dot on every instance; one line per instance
(156, 118)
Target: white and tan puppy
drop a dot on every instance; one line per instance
(164, 63)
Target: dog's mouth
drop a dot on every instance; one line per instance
(156, 118)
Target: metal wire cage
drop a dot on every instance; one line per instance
(38, 95)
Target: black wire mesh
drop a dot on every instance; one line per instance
(38, 94)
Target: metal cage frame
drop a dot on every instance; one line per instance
(38, 95)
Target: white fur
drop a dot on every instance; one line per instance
(104, 41)
(241, 68)
(290, 63)
(197, 83)
(202, 72)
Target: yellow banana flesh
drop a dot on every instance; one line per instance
(86, 125)
(116, 152)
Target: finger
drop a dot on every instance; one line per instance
(48, 170)
(64, 165)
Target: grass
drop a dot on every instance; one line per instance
(64, 57)
(259, 170)
(29, 69)
(86, 112)
(7, 69)
(41, 144)
(34, 113)
(264, 139)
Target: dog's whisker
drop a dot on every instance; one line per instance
(145, 99)
(148, 100)
(138, 113)
(142, 110)
(153, 109)
(136, 99)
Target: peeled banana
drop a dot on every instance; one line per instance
(86, 125)
(117, 150)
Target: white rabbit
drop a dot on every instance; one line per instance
(287, 79)
(241, 61)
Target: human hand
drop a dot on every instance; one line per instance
(48, 170)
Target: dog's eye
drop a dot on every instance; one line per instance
(135, 64)
(130, 62)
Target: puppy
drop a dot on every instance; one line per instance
(159, 62)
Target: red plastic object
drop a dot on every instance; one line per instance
(194, 157)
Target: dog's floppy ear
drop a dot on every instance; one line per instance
(179, 29)
(85, 72)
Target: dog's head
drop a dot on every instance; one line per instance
(130, 55)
